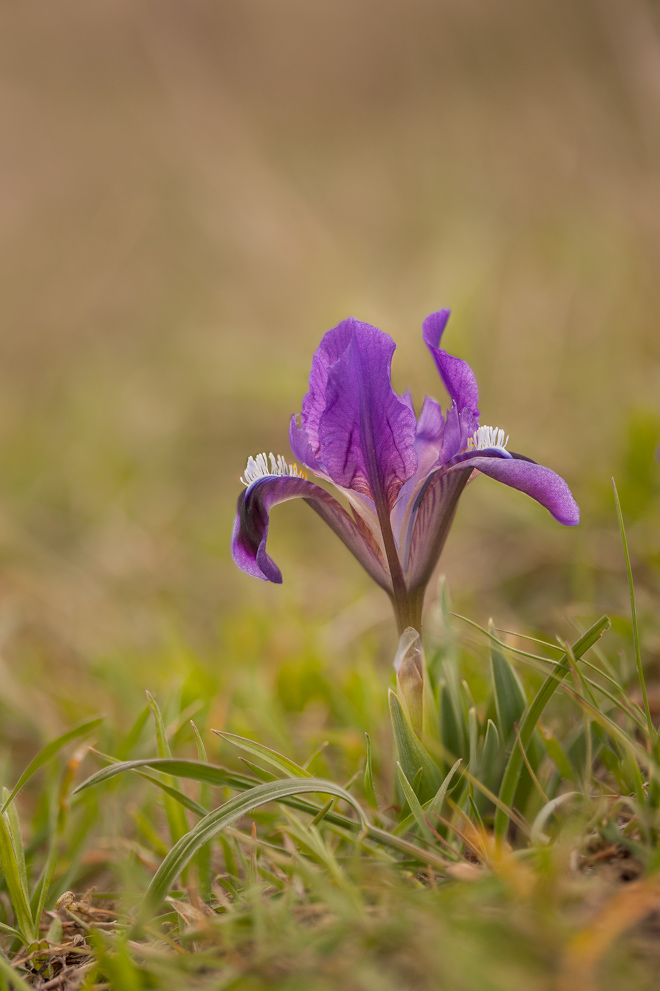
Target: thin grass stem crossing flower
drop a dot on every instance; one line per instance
(400, 474)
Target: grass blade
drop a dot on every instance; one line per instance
(289, 767)
(413, 802)
(548, 810)
(12, 975)
(176, 817)
(532, 716)
(49, 751)
(197, 771)
(369, 788)
(433, 806)
(186, 848)
(412, 753)
(222, 777)
(11, 816)
(191, 769)
(510, 698)
(260, 772)
(490, 761)
(15, 883)
(203, 855)
(633, 613)
(436, 803)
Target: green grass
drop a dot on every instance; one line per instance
(512, 840)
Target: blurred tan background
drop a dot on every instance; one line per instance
(191, 193)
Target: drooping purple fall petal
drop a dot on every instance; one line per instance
(539, 482)
(252, 519)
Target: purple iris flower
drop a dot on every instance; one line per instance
(401, 475)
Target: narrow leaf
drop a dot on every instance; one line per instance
(412, 753)
(196, 771)
(433, 806)
(436, 803)
(369, 789)
(17, 841)
(453, 721)
(182, 852)
(633, 612)
(42, 888)
(548, 809)
(204, 854)
(556, 754)
(491, 765)
(473, 737)
(260, 772)
(176, 818)
(413, 802)
(224, 778)
(320, 816)
(49, 751)
(289, 767)
(14, 881)
(510, 698)
(12, 975)
(201, 749)
(125, 748)
(533, 714)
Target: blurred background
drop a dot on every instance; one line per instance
(191, 194)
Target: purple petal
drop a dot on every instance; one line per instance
(408, 400)
(540, 483)
(302, 448)
(430, 526)
(333, 345)
(428, 442)
(429, 433)
(460, 426)
(366, 432)
(458, 377)
(248, 544)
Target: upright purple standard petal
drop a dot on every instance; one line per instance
(540, 483)
(429, 434)
(366, 432)
(460, 426)
(252, 518)
(306, 437)
(302, 447)
(458, 377)
(428, 443)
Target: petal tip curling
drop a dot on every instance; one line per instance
(434, 327)
(570, 515)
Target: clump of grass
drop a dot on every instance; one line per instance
(509, 837)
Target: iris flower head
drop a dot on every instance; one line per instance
(401, 475)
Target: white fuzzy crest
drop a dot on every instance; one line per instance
(487, 437)
(258, 467)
